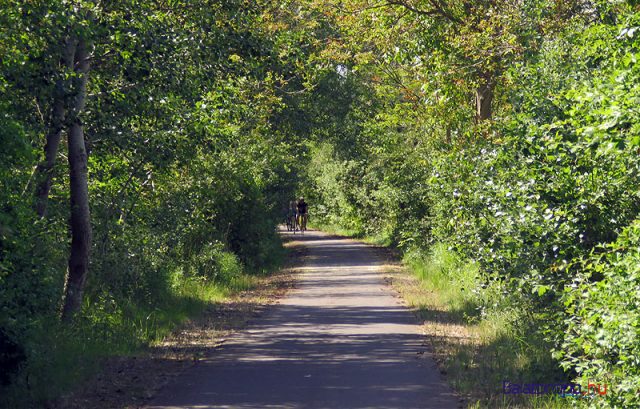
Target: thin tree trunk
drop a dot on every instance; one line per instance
(484, 100)
(44, 171)
(80, 221)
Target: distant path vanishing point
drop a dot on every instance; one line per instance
(340, 340)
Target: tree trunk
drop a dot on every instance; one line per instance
(80, 221)
(484, 99)
(44, 171)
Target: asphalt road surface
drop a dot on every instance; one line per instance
(340, 339)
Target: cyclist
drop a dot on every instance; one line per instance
(302, 214)
(291, 216)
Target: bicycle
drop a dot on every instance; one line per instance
(302, 222)
(290, 222)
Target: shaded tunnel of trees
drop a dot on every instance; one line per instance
(148, 148)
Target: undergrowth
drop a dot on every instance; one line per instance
(480, 331)
(60, 356)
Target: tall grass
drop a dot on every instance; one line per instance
(60, 356)
(453, 282)
(479, 331)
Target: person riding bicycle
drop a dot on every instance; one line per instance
(291, 215)
(302, 213)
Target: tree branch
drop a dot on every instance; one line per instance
(437, 10)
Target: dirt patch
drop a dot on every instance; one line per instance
(131, 381)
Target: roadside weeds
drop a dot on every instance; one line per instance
(469, 354)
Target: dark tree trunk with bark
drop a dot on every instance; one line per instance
(44, 171)
(80, 221)
(484, 100)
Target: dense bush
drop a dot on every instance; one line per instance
(602, 320)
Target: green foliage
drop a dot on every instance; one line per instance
(193, 126)
(491, 340)
(524, 198)
(455, 282)
(203, 119)
(602, 320)
(110, 326)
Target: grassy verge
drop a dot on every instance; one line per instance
(477, 331)
(113, 337)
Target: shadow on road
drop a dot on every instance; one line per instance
(340, 340)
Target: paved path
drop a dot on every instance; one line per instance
(339, 340)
